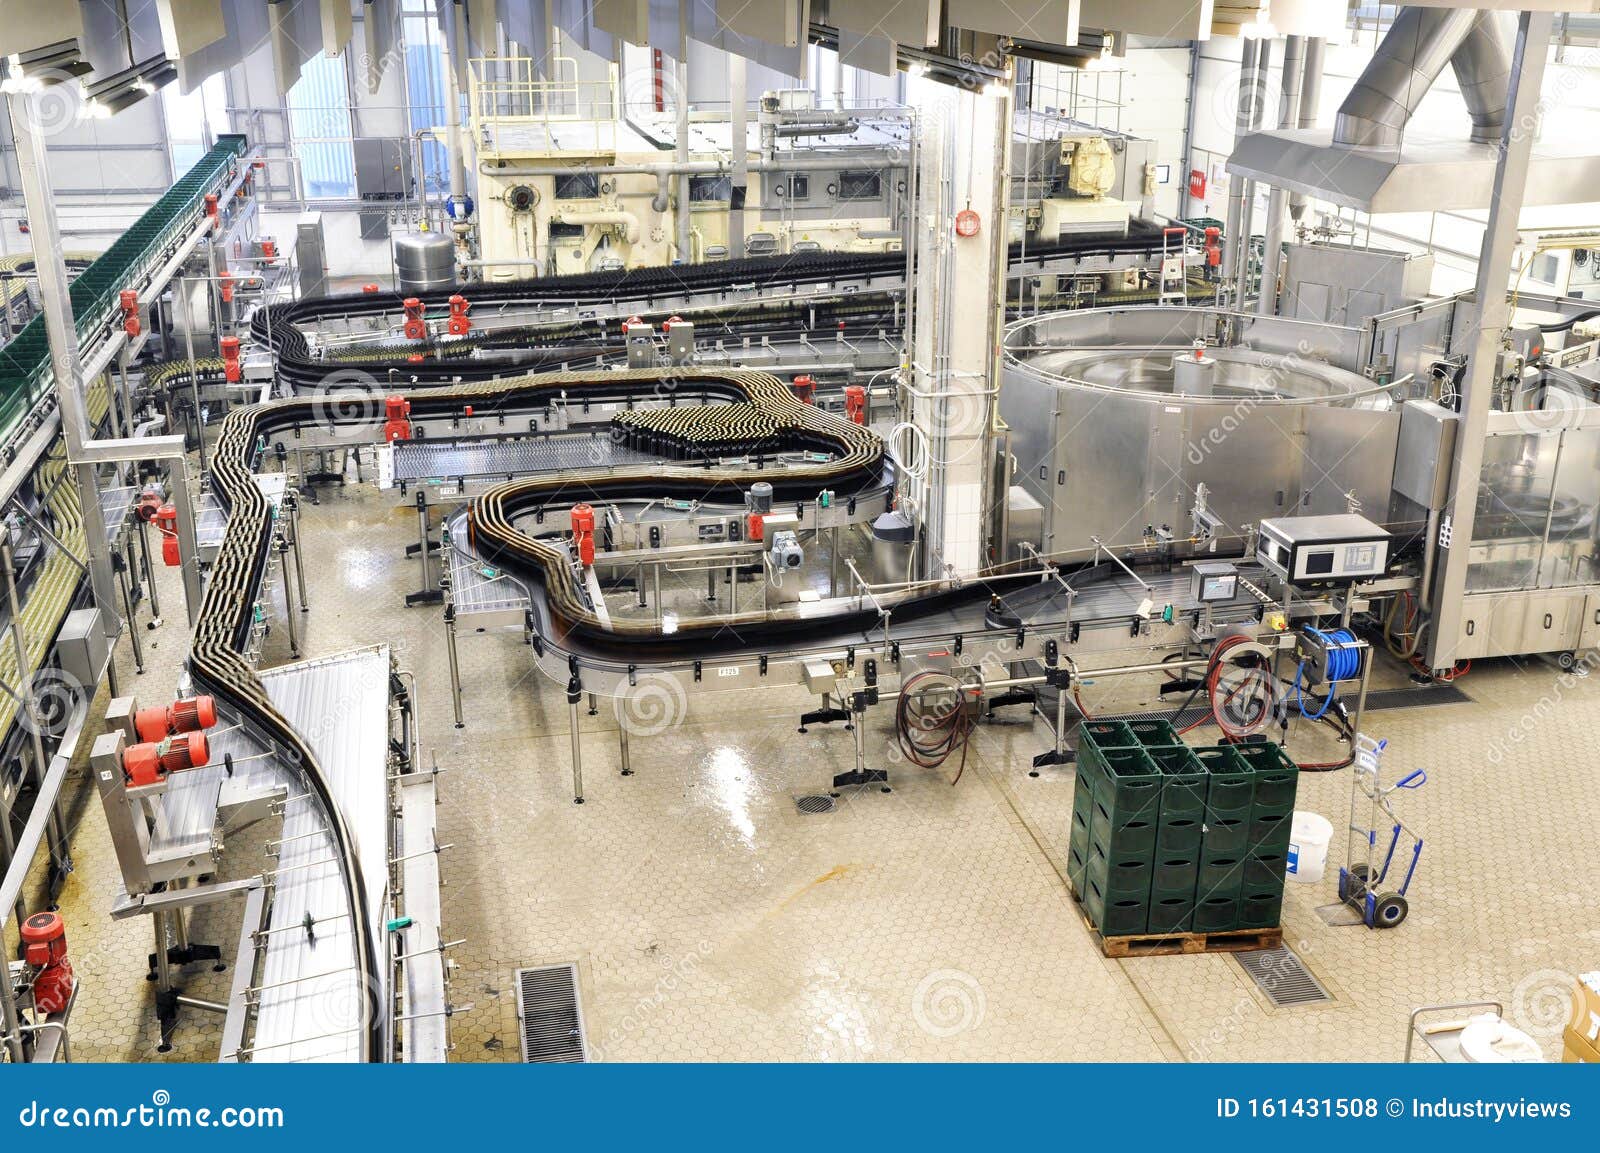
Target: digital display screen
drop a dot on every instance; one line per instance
(1319, 563)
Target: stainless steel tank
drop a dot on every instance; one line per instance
(1112, 436)
(424, 261)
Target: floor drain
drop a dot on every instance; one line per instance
(1283, 977)
(549, 1015)
(812, 805)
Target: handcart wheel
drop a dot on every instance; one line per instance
(1389, 911)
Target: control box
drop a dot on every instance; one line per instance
(1323, 549)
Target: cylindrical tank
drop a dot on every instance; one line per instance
(424, 261)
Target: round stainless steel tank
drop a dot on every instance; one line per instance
(1114, 425)
(424, 261)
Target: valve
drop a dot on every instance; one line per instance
(855, 403)
(805, 388)
(416, 327)
(396, 419)
(583, 533)
(153, 762)
(128, 300)
(44, 949)
(230, 360)
(185, 715)
(460, 323)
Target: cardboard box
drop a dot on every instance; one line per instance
(1586, 1008)
(1578, 1051)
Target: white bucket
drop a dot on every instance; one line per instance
(1309, 835)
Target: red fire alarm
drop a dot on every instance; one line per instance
(967, 223)
(1197, 183)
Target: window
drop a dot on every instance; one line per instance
(319, 126)
(860, 186)
(194, 120)
(795, 188)
(709, 189)
(577, 186)
(424, 70)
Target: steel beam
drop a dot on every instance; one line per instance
(1494, 314)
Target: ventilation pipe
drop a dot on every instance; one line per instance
(1310, 107)
(1419, 44)
(1277, 201)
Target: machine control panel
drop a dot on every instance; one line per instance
(1323, 549)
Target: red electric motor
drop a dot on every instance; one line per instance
(185, 715)
(128, 301)
(1213, 249)
(211, 204)
(150, 502)
(805, 388)
(583, 533)
(167, 521)
(369, 289)
(227, 286)
(416, 327)
(396, 419)
(230, 360)
(855, 403)
(755, 527)
(269, 249)
(460, 323)
(44, 947)
(153, 762)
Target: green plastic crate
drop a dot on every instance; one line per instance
(1220, 877)
(1263, 872)
(1154, 733)
(1183, 782)
(1230, 789)
(1170, 915)
(1216, 913)
(1174, 876)
(1269, 832)
(1116, 917)
(1261, 910)
(1119, 875)
(1181, 836)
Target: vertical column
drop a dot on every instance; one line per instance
(1277, 203)
(51, 270)
(1494, 275)
(959, 286)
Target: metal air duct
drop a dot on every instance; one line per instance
(1418, 46)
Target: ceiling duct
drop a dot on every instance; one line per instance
(1419, 44)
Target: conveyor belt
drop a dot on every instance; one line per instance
(416, 460)
(725, 287)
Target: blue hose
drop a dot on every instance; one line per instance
(1344, 663)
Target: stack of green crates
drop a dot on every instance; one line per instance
(1172, 839)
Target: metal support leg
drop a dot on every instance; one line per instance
(833, 561)
(288, 597)
(133, 629)
(861, 775)
(594, 706)
(299, 558)
(430, 592)
(627, 764)
(188, 547)
(711, 586)
(149, 577)
(455, 661)
(1058, 755)
(577, 747)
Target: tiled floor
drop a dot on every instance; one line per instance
(711, 920)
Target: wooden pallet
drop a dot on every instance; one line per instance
(1169, 944)
(1172, 944)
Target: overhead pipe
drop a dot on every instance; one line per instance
(628, 221)
(1252, 110)
(1277, 201)
(1310, 107)
(1407, 62)
(1250, 54)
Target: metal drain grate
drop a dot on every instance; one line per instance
(1283, 977)
(812, 805)
(550, 1017)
